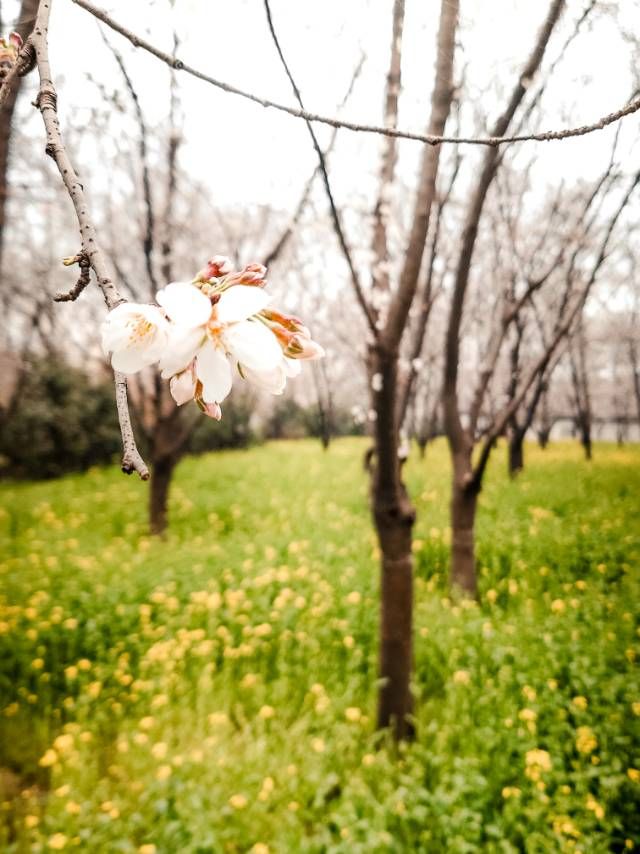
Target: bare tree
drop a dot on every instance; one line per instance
(24, 26)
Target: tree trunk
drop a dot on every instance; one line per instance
(422, 444)
(393, 516)
(585, 436)
(162, 472)
(395, 703)
(24, 26)
(543, 437)
(464, 501)
(516, 453)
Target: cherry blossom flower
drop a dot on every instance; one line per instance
(136, 335)
(205, 329)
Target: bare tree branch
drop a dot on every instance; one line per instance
(335, 215)
(47, 104)
(494, 140)
(284, 238)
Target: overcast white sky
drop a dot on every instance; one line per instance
(247, 154)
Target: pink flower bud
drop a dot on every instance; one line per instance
(304, 348)
(216, 267)
(252, 274)
(287, 321)
(213, 411)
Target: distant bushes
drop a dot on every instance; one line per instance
(60, 421)
(233, 431)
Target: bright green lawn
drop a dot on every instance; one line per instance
(215, 692)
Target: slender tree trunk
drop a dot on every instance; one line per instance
(585, 435)
(543, 437)
(161, 475)
(464, 501)
(422, 445)
(24, 26)
(393, 517)
(516, 453)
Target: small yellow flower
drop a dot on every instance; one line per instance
(49, 758)
(596, 808)
(163, 772)
(510, 792)
(353, 598)
(635, 708)
(266, 712)
(580, 703)
(633, 774)
(159, 750)
(353, 714)
(461, 677)
(368, 759)
(57, 841)
(318, 745)
(563, 826)
(529, 693)
(259, 848)
(72, 807)
(31, 821)
(63, 743)
(491, 596)
(558, 606)
(238, 802)
(586, 741)
(527, 715)
(149, 848)
(537, 761)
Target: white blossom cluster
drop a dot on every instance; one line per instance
(199, 329)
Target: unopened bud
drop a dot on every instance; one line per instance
(287, 321)
(252, 275)
(303, 348)
(9, 50)
(216, 267)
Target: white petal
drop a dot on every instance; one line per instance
(240, 302)
(185, 304)
(291, 367)
(117, 326)
(181, 347)
(272, 381)
(128, 361)
(253, 345)
(183, 387)
(214, 372)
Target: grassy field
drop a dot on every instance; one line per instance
(215, 692)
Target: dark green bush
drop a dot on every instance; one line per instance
(61, 421)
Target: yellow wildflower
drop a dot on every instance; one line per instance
(238, 802)
(586, 741)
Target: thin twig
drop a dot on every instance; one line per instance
(84, 279)
(335, 215)
(46, 102)
(179, 65)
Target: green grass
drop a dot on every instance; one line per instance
(215, 692)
